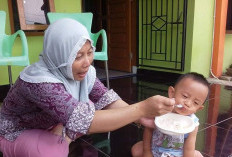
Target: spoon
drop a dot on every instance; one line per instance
(179, 105)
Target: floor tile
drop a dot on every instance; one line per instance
(215, 141)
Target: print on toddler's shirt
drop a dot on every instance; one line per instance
(167, 141)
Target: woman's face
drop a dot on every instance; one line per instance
(82, 61)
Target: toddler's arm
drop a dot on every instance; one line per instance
(189, 144)
(147, 138)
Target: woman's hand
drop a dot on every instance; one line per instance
(156, 106)
(57, 130)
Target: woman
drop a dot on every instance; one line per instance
(59, 98)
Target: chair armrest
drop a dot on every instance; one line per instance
(95, 36)
(23, 40)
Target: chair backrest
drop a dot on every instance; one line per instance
(3, 22)
(83, 18)
(7, 44)
(86, 20)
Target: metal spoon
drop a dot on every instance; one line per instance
(179, 105)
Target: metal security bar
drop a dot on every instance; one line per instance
(162, 33)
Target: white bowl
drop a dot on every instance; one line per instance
(174, 124)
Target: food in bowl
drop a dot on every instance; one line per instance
(174, 124)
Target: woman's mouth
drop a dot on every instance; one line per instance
(82, 74)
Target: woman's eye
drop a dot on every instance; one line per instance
(90, 52)
(77, 57)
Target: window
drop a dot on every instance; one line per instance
(30, 15)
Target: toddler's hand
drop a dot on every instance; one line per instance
(147, 122)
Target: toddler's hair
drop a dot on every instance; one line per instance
(196, 77)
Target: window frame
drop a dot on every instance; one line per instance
(29, 29)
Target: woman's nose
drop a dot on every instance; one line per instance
(86, 62)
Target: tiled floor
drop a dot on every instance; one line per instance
(215, 132)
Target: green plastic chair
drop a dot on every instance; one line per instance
(6, 45)
(86, 20)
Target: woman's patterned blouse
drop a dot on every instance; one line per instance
(43, 105)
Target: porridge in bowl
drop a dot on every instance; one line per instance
(174, 124)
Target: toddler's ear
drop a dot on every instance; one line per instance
(200, 108)
(171, 92)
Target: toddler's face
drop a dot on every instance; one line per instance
(191, 94)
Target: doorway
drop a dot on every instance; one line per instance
(118, 18)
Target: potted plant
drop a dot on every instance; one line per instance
(229, 70)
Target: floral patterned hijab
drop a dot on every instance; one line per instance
(62, 41)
